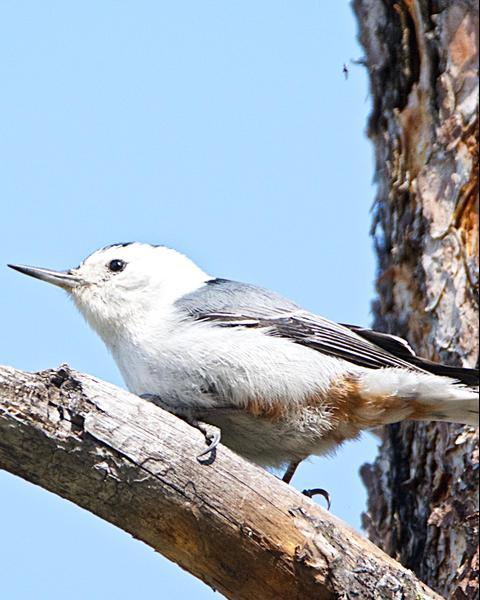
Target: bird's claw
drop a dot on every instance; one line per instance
(319, 492)
(211, 437)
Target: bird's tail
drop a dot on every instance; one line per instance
(426, 397)
(458, 405)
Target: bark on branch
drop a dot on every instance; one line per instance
(228, 522)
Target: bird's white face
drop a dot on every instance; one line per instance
(124, 281)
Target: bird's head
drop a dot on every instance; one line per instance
(124, 281)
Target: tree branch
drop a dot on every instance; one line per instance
(230, 523)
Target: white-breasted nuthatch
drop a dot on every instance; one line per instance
(279, 382)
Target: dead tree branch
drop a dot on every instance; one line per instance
(230, 523)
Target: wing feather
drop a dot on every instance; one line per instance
(316, 333)
(226, 303)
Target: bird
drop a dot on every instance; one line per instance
(279, 383)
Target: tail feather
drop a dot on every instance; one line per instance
(441, 398)
(460, 407)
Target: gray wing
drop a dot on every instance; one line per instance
(226, 303)
(236, 300)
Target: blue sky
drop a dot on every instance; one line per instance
(224, 129)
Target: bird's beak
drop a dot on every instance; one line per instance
(64, 279)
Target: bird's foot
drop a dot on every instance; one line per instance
(319, 492)
(287, 477)
(212, 434)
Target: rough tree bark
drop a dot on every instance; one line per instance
(422, 58)
(238, 528)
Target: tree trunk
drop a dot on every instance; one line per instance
(230, 523)
(422, 58)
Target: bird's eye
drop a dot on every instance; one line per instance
(116, 265)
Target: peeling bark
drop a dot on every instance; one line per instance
(227, 521)
(422, 58)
